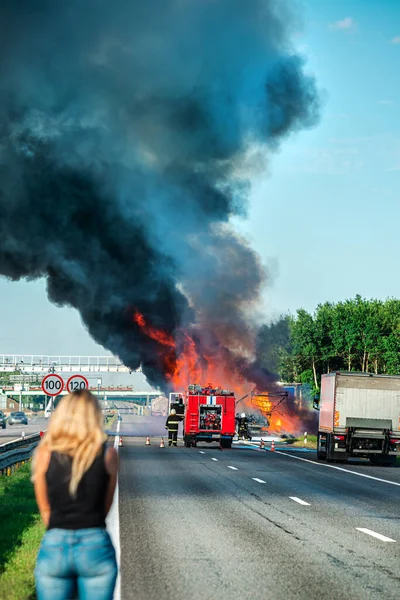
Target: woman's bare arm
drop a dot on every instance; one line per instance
(111, 463)
(42, 461)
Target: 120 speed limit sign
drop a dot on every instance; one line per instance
(52, 384)
(77, 383)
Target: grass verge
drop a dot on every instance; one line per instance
(21, 533)
(311, 442)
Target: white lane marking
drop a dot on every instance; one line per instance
(201, 452)
(233, 468)
(258, 480)
(319, 464)
(215, 459)
(378, 536)
(299, 501)
(113, 526)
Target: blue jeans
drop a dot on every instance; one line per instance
(76, 564)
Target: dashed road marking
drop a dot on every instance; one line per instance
(215, 459)
(201, 452)
(258, 480)
(233, 468)
(318, 464)
(299, 501)
(378, 536)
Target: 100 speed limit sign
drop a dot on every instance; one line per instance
(52, 384)
(76, 383)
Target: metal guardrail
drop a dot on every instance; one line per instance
(19, 443)
(13, 458)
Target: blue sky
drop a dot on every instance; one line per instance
(326, 217)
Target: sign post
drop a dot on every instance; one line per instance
(52, 385)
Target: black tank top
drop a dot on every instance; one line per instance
(87, 509)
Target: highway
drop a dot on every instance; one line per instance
(11, 432)
(252, 524)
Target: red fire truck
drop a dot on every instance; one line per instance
(208, 414)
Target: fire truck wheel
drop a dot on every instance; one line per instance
(187, 442)
(226, 443)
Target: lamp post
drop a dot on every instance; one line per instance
(98, 388)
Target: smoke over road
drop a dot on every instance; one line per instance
(125, 128)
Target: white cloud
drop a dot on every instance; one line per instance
(396, 40)
(347, 24)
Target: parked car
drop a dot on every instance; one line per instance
(3, 420)
(18, 418)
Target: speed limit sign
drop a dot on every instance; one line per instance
(52, 384)
(76, 383)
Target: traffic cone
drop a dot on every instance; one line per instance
(262, 445)
(162, 445)
(272, 446)
(120, 443)
(148, 441)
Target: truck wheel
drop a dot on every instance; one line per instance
(187, 442)
(328, 455)
(386, 462)
(321, 455)
(226, 443)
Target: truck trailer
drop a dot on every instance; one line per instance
(208, 415)
(359, 417)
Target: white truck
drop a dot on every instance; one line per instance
(359, 417)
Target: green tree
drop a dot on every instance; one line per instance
(323, 331)
(354, 335)
(344, 332)
(305, 344)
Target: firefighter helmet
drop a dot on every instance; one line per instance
(243, 415)
(173, 412)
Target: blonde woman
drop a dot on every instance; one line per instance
(75, 475)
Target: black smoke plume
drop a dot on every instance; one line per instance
(124, 131)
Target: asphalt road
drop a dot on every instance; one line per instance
(134, 426)
(12, 432)
(199, 523)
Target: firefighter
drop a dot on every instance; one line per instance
(243, 427)
(172, 425)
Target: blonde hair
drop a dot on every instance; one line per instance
(76, 430)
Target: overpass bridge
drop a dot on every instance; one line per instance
(118, 393)
(31, 368)
(37, 363)
(25, 393)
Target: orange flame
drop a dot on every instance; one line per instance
(155, 334)
(191, 368)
